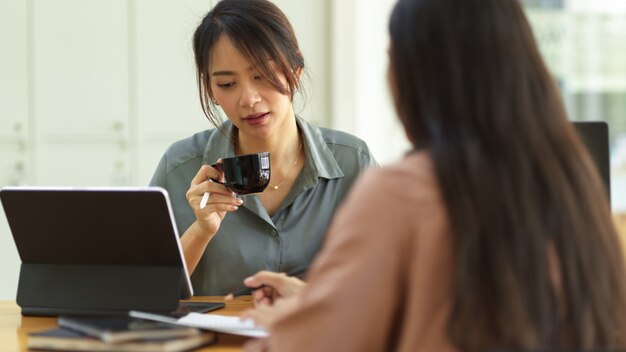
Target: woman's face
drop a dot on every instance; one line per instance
(251, 103)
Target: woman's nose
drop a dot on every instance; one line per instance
(249, 96)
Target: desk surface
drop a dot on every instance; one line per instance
(14, 328)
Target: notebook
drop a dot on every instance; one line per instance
(95, 250)
(60, 339)
(116, 329)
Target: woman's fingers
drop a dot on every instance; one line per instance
(217, 203)
(261, 315)
(199, 189)
(206, 172)
(215, 193)
(264, 295)
(280, 284)
(266, 315)
(210, 200)
(268, 278)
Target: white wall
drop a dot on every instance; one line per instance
(361, 101)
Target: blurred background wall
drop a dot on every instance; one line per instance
(93, 91)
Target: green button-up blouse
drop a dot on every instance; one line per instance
(249, 239)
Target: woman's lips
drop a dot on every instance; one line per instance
(257, 119)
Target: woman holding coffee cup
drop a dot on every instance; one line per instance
(249, 65)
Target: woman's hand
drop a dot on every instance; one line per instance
(274, 286)
(265, 315)
(221, 200)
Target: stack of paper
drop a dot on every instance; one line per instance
(212, 322)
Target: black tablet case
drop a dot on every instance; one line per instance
(95, 251)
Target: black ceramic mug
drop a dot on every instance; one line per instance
(244, 174)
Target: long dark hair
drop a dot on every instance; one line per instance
(261, 32)
(538, 261)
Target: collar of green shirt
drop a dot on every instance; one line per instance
(322, 162)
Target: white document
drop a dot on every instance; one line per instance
(212, 322)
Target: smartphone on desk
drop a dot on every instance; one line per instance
(185, 308)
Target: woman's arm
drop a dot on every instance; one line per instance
(355, 284)
(208, 218)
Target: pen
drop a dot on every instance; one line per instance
(205, 198)
(248, 290)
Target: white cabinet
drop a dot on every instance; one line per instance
(13, 67)
(14, 126)
(95, 164)
(14, 85)
(81, 95)
(9, 260)
(80, 69)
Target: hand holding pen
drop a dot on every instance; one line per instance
(210, 200)
(267, 286)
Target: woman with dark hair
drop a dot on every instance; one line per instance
(494, 233)
(249, 66)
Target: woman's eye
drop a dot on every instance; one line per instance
(225, 85)
(258, 77)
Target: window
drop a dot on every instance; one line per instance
(584, 45)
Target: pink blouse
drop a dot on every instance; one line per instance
(383, 280)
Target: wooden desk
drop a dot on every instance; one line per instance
(14, 328)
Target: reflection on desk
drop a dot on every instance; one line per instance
(14, 328)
